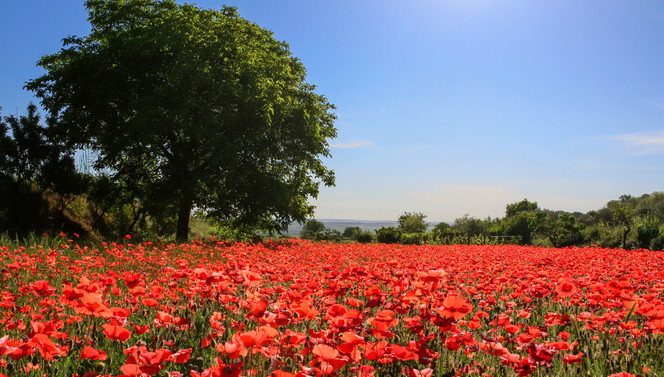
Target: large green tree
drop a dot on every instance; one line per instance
(207, 108)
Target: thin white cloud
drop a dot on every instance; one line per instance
(359, 144)
(643, 143)
(658, 104)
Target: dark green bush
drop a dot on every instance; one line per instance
(364, 236)
(388, 234)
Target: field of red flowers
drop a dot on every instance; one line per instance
(322, 309)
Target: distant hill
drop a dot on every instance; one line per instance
(341, 224)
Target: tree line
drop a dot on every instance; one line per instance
(628, 222)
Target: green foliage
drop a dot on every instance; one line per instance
(564, 231)
(442, 228)
(647, 230)
(412, 222)
(6, 145)
(442, 233)
(388, 234)
(364, 236)
(356, 233)
(228, 233)
(312, 228)
(602, 235)
(203, 108)
(419, 238)
(331, 235)
(519, 207)
(31, 162)
(658, 242)
(315, 230)
(523, 220)
(351, 232)
(469, 227)
(27, 148)
(622, 216)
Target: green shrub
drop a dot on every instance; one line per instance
(388, 234)
(364, 236)
(647, 230)
(331, 235)
(351, 232)
(658, 242)
(415, 238)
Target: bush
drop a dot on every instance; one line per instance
(352, 232)
(566, 230)
(658, 242)
(602, 235)
(415, 238)
(388, 234)
(364, 236)
(647, 230)
(331, 235)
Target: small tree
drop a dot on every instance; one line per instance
(312, 228)
(623, 217)
(412, 222)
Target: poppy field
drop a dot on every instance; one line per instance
(301, 308)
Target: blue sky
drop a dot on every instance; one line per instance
(447, 107)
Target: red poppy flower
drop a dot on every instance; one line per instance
(328, 358)
(46, 347)
(566, 287)
(455, 307)
(93, 354)
(91, 304)
(43, 288)
(571, 359)
(116, 332)
(181, 356)
(411, 372)
(141, 361)
(281, 373)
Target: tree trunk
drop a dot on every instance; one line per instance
(186, 202)
(137, 217)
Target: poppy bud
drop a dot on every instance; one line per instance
(198, 362)
(99, 367)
